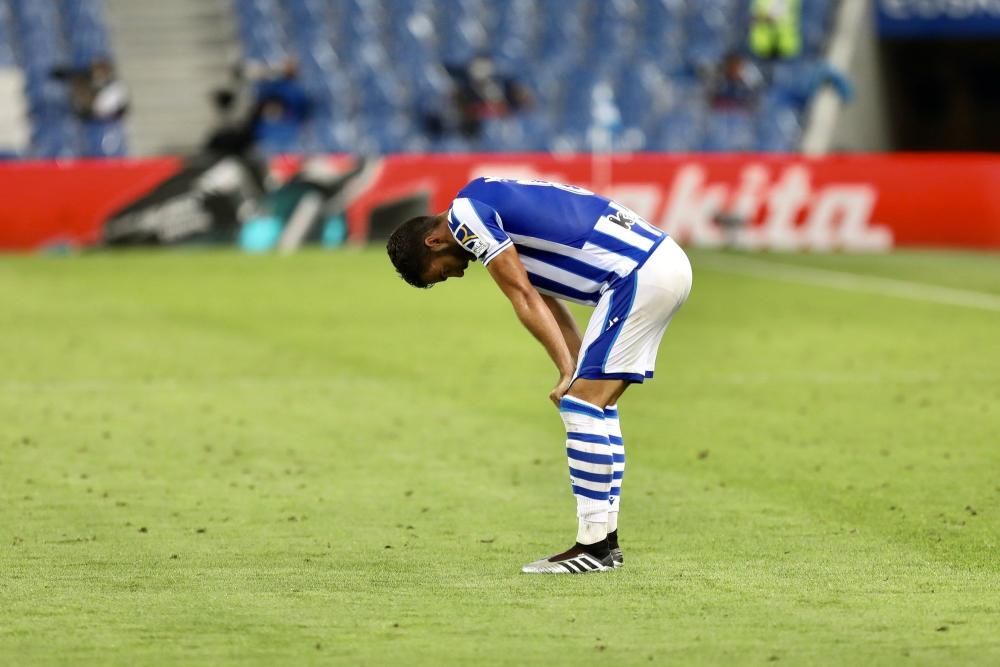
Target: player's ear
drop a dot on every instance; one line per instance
(434, 241)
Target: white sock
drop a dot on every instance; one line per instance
(618, 453)
(588, 532)
(590, 466)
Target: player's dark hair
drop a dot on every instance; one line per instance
(407, 250)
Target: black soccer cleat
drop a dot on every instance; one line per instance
(616, 553)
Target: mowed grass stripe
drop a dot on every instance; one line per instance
(904, 289)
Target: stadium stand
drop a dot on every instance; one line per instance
(49, 35)
(13, 112)
(374, 68)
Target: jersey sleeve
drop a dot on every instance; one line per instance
(478, 229)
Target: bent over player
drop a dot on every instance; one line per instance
(542, 243)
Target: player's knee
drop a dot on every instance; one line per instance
(596, 392)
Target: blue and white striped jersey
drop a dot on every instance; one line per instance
(573, 243)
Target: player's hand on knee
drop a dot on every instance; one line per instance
(560, 389)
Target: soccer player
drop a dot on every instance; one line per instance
(544, 243)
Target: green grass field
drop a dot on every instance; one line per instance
(207, 458)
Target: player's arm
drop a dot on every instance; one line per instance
(567, 325)
(534, 314)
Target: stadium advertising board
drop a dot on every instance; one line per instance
(938, 18)
(47, 204)
(853, 203)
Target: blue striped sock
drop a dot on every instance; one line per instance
(618, 453)
(590, 461)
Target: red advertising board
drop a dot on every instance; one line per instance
(49, 203)
(870, 202)
(855, 203)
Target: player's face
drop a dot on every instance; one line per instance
(450, 263)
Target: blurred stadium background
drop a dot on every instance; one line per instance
(217, 115)
(246, 450)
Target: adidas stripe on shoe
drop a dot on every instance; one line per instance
(573, 561)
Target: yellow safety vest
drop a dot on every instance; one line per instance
(774, 30)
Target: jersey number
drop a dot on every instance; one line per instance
(622, 219)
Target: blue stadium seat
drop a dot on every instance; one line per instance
(85, 31)
(729, 131)
(7, 58)
(817, 19)
(260, 30)
(778, 131)
(103, 139)
(53, 135)
(796, 81)
(678, 131)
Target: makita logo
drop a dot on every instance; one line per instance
(767, 207)
(780, 211)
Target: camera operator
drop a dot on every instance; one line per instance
(95, 92)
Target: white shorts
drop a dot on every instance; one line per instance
(628, 323)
